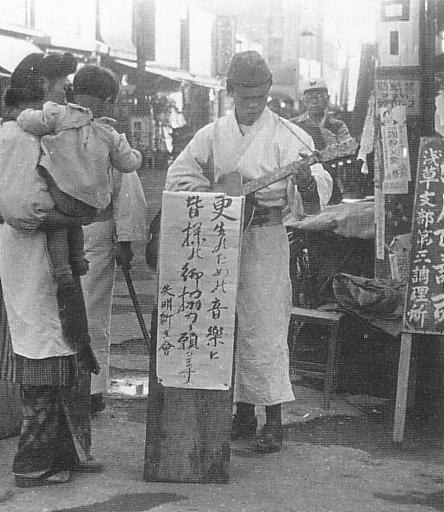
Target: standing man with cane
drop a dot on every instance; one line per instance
(107, 243)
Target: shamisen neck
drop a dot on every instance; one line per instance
(279, 174)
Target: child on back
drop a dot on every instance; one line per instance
(78, 152)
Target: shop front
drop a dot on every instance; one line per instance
(162, 110)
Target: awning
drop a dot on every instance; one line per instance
(13, 50)
(283, 91)
(177, 75)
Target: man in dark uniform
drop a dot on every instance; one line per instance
(322, 126)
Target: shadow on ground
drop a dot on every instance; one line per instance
(433, 500)
(424, 440)
(135, 502)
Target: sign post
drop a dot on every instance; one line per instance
(191, 360)
(424, 304)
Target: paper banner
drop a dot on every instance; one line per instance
(395, 150)
(199, 257)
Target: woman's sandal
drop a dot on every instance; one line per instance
(49, 478)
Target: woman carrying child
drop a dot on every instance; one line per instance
(49, 359)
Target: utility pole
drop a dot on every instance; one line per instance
(144, 40)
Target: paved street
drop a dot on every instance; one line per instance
(341, 460)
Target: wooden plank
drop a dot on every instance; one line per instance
(402, 387)
(194, 440)
(331, 365)
(424, 304)
(315, 316)
(188, 431)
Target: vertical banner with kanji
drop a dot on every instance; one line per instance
(424, 308)
(198, 270)
(395, 150)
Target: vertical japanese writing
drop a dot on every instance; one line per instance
(198, 277)
(425, 298)
(395, 149)
(165, 317)
(190, 296)
(221, 273)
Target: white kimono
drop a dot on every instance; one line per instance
(125, 221)
(264, 290)
(28, 285)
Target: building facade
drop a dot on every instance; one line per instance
(174, 39)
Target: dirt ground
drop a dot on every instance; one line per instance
(341, 460)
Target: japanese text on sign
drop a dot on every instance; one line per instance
(424, 311)
(395, 150)
(199, 254)
(398, 91)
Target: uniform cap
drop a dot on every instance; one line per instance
(314, 84)
(248, 69)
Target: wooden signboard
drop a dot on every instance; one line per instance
(424, 301)
(190, 399)
(424, 305)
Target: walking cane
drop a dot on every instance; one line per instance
(136, 304)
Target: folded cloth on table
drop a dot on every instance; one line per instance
(381, 297)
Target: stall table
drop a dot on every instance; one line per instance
(351, 219)
(339, 239)
(355, 219)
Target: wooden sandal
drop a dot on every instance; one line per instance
(49, 478)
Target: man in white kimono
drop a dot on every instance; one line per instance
(254, 141)
(108, 240)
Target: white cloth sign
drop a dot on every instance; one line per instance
(198, 272)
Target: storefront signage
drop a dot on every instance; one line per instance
(398, 91)
(141, 132)
(199, 257)
(395, 10)
(424, 309)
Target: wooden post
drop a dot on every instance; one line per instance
(196, 421)
(191, 353)
(402, 387)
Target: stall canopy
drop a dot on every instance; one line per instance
(12, 51)
(177, 75)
